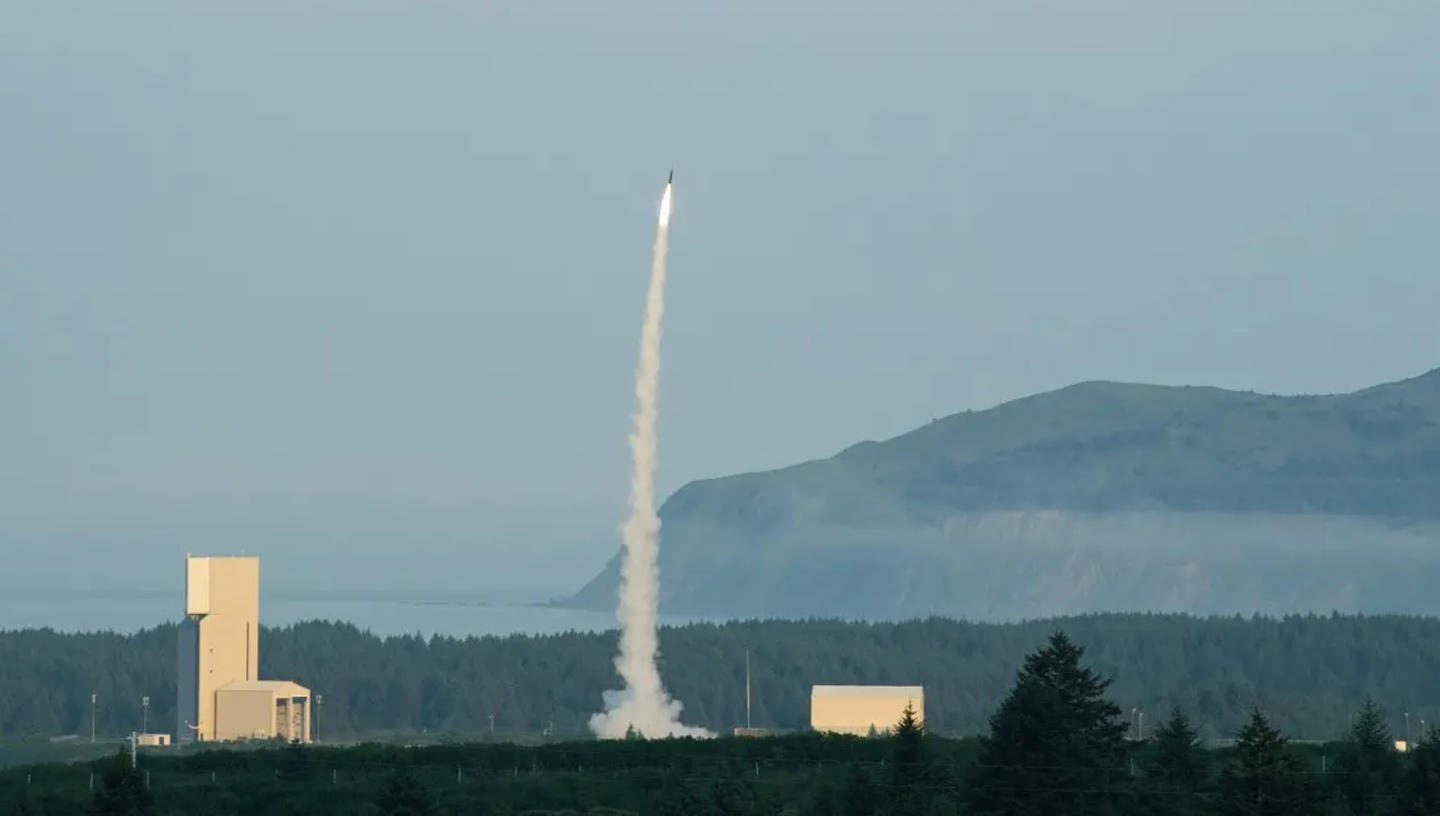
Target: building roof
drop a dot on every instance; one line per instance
(280, 688)
(867, 692)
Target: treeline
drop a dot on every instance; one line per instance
(1056, 744)
(1308, 673)
(1110, 446)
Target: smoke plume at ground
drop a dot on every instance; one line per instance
(643, 705)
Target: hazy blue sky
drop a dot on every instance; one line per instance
(358, 284)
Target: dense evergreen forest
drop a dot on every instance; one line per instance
(1057, 743)
(1308, 673)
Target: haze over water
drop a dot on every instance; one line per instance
(263, 265)
(384, 613)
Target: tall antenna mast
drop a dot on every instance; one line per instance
(747, 688)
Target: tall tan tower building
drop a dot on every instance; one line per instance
(219, 639)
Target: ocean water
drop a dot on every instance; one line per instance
(455, 615)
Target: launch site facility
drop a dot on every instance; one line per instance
(219, 694)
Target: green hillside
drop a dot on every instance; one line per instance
(1096, 496)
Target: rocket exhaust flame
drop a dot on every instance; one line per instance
(644, 704)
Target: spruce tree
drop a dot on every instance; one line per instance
(1368, 769)
(296, 765)
(909, 773)
(404, 796)
(1262, 777)
(1419, 791)
(861, 798)
(1178, 770)
(731, 796)
(123, 791)
(1056, 744)
(824, 800)
(24, 804)
(685, 798)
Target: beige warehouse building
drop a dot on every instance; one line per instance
(859, 709)
(263, 709)
(219, 693)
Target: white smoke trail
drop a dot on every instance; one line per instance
(643, 705)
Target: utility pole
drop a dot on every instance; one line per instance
(315, 721)
(93, 699)
(747, 688)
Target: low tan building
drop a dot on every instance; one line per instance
(751, 732)
(859, 709)
(262, 709)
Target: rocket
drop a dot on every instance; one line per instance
(671, 180)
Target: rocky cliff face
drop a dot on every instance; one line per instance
(1043, 563)
(1098, 497)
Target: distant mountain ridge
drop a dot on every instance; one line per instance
(1099, 496)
